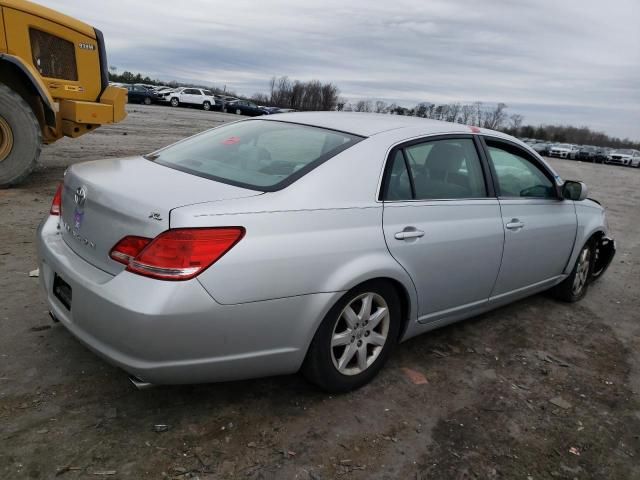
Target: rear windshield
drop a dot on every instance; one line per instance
(257, 154)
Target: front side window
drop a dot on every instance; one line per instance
(437, 170)
(258, 154)
(53, 57)
(516, 174)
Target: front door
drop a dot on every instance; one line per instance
(540, 226)
(441, 224)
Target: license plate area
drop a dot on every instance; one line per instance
(62, 291)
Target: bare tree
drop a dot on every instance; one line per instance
(452, 112)
(363, 106)
(477, 114)
(311, 95)
(380, 107)
(515, 123)
(466, 114)
(494, 119)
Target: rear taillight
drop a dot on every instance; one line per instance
(56, 203)
(178, 254)
(128, 248)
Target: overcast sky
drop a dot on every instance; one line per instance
(553, 61)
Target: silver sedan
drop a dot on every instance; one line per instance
(308, 241)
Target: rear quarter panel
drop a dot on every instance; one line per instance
(323, 233)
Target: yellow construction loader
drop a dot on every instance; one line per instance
(54, 82)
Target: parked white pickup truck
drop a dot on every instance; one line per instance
(191, 96)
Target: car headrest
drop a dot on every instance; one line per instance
(444, 158)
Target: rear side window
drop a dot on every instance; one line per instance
(53, 57)
(436, 170)
(258, 154)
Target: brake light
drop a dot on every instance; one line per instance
(178, 254)
(128, 248)
(56, 203)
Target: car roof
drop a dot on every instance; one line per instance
(368, 124)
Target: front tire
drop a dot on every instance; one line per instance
(206, 106)
(238, 111)
(20, 138)
(147, 101)
(355, 338)
(574, 287)
(175, 102)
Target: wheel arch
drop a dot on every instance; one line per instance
(596, 234)
(25, 80)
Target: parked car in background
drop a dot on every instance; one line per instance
(141, 94)
(542, 148)
(626, 157)
(270, 245)
(587, 153)
(563, 150)
(161, 90)
(271, 110)
(601, 154)
(244, 107)
(191, 97)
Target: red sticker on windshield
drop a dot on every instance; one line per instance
(475, 129)
(231, 141)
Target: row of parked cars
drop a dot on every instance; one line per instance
(196, 97)
(588, 153)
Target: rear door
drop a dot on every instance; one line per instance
(442, 223)
(190, 95)
(540, 226)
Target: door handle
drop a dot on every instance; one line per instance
(405, 234)
(514, 224)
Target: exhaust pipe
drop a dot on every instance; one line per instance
(53, 317)
(139, 384)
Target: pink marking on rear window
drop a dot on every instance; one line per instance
(474, 129)
(231, 141)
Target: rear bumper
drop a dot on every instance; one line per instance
(174, 332)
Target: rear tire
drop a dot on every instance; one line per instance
(20, 138)
(147, 101)
(575, 286)
(354, 340)
(238, 111)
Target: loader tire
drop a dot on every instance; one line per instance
(20, 138)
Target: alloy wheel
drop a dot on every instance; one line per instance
(582, 271)
(360, 333)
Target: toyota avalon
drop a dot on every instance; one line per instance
(308, 241)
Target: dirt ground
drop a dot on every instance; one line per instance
(535, 390)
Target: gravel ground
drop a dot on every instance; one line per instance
(535, 390)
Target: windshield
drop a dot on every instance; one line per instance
(625, 152)
(258, 154)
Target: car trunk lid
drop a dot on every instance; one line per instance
(106, 200)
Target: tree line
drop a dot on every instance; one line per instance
(314, 95)
(494, 117)
(307, 96)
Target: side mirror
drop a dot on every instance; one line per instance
(576, 191)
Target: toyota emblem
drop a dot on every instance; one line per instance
(80, 196)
